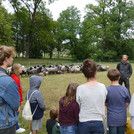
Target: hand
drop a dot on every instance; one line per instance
(18, 110)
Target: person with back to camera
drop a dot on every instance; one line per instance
(9, 97)
(125, 70)
(69, 111)
(91, 98)
(36, 102)
(15, 75)
(52, 121)
(117, 100)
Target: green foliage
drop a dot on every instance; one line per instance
(6, 33)
(68, 25)
(106, 27)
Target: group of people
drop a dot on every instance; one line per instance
(81, 109)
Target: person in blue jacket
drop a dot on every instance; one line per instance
(36, 102)
(9, 97)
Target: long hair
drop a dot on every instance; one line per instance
(15, 69)
(70, 95)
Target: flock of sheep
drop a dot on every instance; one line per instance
(43, 70)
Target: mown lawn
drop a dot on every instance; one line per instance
(54, 86)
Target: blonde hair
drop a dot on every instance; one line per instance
(124, 56)
(15, 69)
(6, 52)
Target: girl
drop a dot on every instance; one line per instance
(69, 111)
(15, 74)
(91, 98)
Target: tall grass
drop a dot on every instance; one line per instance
(53, 88)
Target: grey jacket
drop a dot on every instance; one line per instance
(125, 70)
(35, 82)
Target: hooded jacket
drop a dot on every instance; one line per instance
(68, 115)
(125, 70)
(18, 83)
(37, 98)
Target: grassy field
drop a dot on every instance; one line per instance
(53, 88)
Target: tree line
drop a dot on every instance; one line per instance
(105, 33)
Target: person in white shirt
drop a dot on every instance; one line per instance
(91, 98)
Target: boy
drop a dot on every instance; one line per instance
(52, 121)
(117, 100)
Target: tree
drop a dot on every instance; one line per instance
(68, 25)
(105, 27)
(32, 7)
(6, 33)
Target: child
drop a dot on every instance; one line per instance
(69, 111)
(36, 102)
(117, 100)
(15, 74)
(52, 121)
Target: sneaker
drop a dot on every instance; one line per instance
(20, 130)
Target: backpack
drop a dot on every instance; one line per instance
(26, 113)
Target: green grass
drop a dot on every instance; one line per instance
(53, 88)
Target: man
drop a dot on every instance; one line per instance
(125, 70)
(9, 97)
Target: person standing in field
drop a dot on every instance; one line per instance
(69, 111)
(91, 98)
(15, 75)
(117, 100)
(125, 70)
(36, 102)
(9, 97)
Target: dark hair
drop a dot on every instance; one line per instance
(113, 74)
(53, 113)
(89, 68)
(70, 95)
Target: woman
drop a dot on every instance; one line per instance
(91, 99)
(69, 111)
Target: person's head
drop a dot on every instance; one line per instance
(16, 69)
(6, 54)
(70, 94)
(113, 74)
(89, 68)
(124, 58)
(53, 113)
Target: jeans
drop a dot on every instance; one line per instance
(91, 127)
(17, 124)
(10, 130)
(68, 129)
(116, 130)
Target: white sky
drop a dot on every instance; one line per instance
(59, 5)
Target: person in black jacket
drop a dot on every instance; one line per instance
(52, 121)
(125, 70)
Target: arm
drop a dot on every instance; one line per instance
(11, 95)
(41, 101)
(76, 112)
(130, 70)
(118, 66)
(77, 97)
(127, 104)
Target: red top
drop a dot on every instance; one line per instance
(18, 83)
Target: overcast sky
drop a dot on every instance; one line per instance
(59, 5)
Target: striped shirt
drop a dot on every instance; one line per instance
(116, 100)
